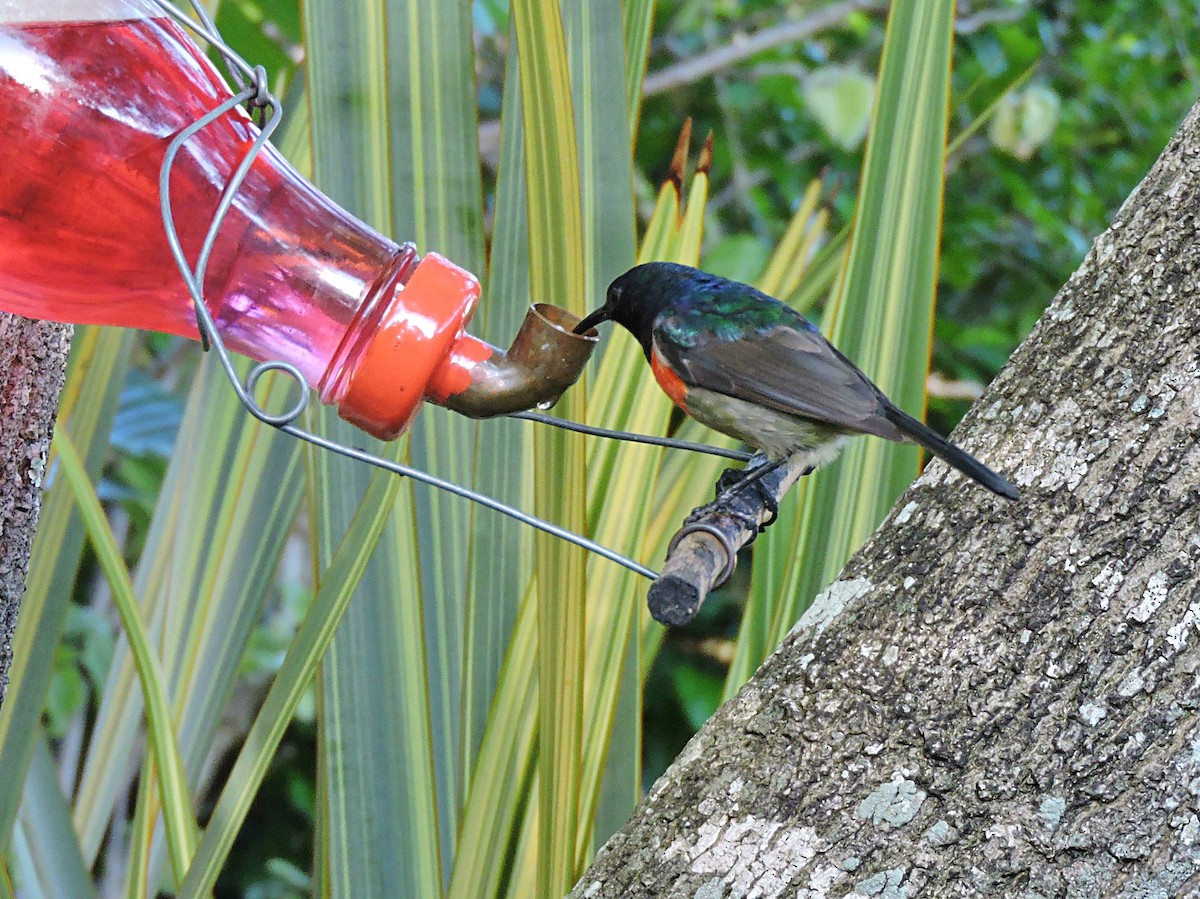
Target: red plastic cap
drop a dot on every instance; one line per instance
(414, 336)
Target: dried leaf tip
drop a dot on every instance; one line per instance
(704, 163)
(679, 159)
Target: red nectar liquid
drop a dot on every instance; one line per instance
(87, 110)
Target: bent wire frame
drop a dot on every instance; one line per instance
(253, 90)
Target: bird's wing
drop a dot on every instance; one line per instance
(791, 369)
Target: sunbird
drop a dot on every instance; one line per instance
(747, 365)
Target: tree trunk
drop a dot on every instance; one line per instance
(994, 698)
(33, 359)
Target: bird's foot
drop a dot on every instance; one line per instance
(747, 519)
(733, 482)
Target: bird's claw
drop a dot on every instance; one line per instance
(771, 504)
(728, 485)
(728, 480)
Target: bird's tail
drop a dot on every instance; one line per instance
(940, 446)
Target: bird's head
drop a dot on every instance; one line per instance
(639, 296)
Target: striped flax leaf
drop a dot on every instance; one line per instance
(386, 787)
(662, 230)
(604, 665)
(612, 736)
(615, 602)
(684, 479)
(181, 824)
(683, 475)
(313, 638)
(49, 862)
(437, 195)
(611, 659)
(821, 273)
(501, 549)
(595, 40)
(501, 706)
(6, 881)
(638, 18)
(141, 855)
(498, 794)
(523, 881)
(621, 391)
(377, 758)
(603, 156)
(614, 392)
(691, 229)
(791, 255)
(556, 269)
(596, 210)
(244, 539)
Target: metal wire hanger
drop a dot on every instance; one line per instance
(254, 91)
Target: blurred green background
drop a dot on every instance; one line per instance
(1105, 86)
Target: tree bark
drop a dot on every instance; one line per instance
(994, 698)
(33, 359)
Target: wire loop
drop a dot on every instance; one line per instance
(282, 418)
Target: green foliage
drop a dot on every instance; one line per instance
(840, 98)
(1124, 74)
(80, 664)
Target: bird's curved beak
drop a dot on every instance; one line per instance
(602, 314)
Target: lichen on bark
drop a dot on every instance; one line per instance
(995, 698)
(32, 366)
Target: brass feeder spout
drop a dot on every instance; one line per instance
(546, 357)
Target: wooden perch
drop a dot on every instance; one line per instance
(702, 555)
